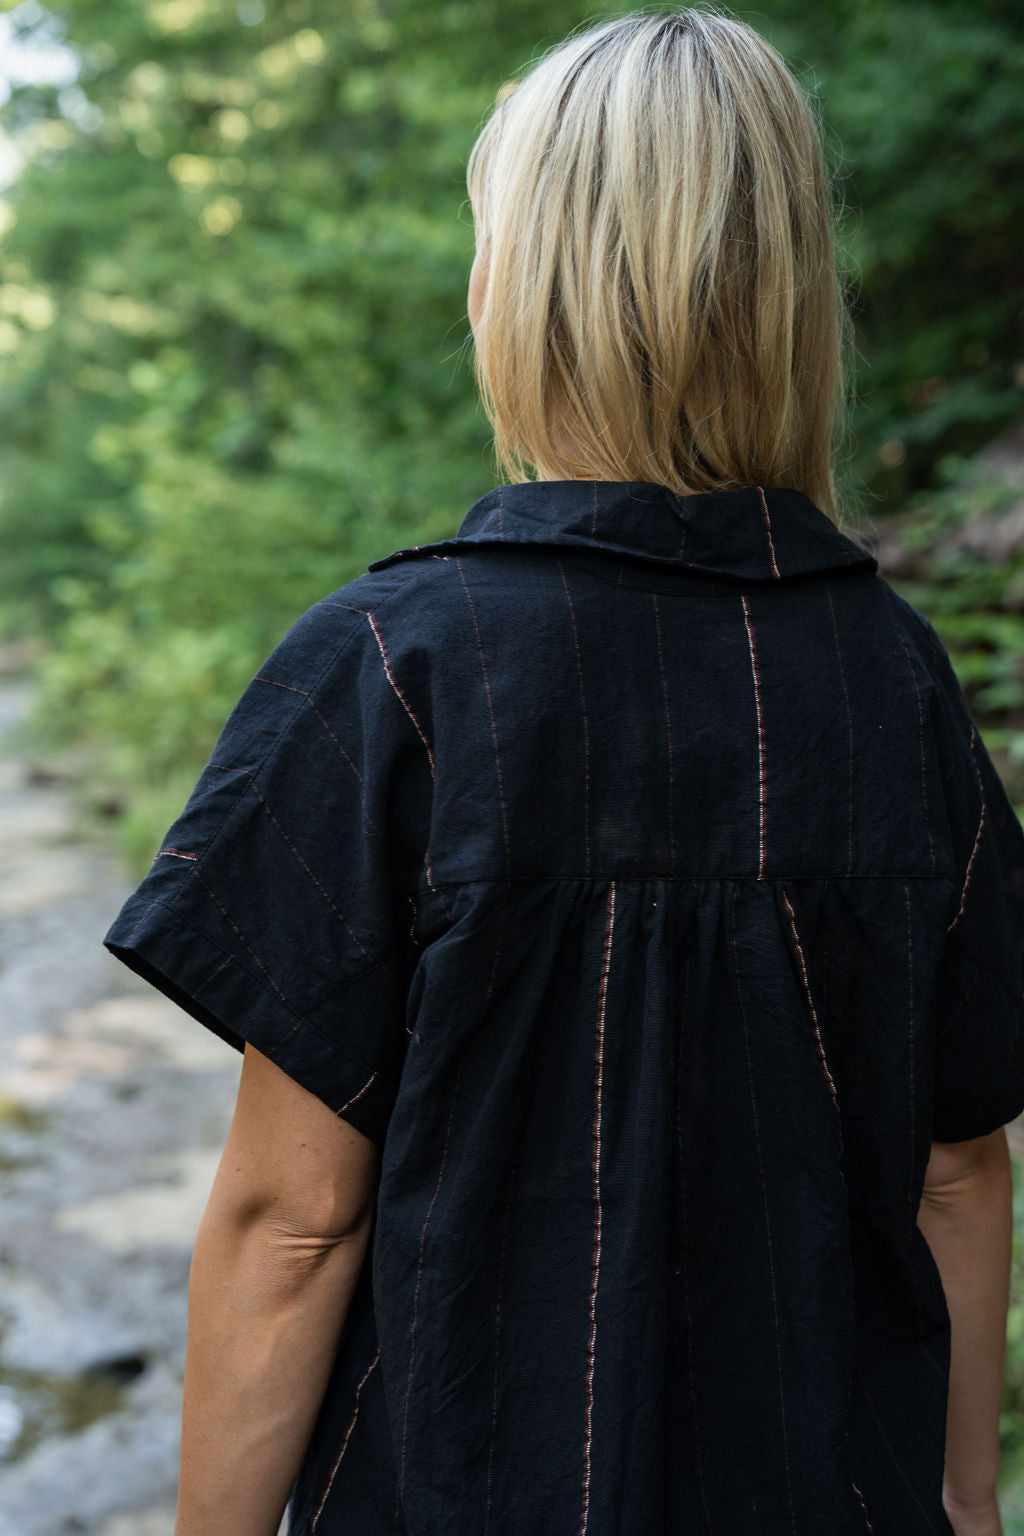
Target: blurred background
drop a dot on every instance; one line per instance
(234, 368)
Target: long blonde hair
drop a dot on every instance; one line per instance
(663, 300)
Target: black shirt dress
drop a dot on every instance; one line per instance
(630, 868)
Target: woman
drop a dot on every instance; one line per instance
(618, 911)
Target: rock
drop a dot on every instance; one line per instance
(114, 1112)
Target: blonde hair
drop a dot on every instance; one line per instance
(663, 301)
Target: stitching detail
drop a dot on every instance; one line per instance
(920, 716)
(977, 839)
(685, 1267)
(344, 1443)
(596, 1169)
(767, 1221)
(940, 1034)
(490, 707)
(301, 1018)
(249, 947)
(349, 1102)
(337, 912)
(350, 761)
(668, 733)
(400, 695)
(419, 1277)
(142, 916)
(326, 724)
(497, 1337)
(863, 1506)
(649, 878)
(685, 1246)
(329, 661)
(892, 1453)
(583, 711)
(498, 949)
(761, 796)
(849, 723)
(213, 976)
(814, 1017)
(768, 532)
(911, 1210)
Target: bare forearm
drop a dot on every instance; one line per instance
(969, 1229)
(265, 1316)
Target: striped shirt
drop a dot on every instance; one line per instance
(630, 868)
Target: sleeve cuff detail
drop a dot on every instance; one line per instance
(162, 946)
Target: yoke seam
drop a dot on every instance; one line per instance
(664, 879)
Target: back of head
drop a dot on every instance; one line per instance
(662, 298)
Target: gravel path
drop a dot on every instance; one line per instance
(114, 1108)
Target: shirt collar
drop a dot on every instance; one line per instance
(756, 532)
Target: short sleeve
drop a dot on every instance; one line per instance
(271, 912)
(978, 1041)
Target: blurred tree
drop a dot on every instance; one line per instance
(232, 313)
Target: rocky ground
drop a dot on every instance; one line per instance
(114, 1107)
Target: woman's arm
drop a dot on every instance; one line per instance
(276, 1259)
(966, 1215)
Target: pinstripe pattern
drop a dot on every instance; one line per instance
(849, 726)
(670, 799)
(813, 1012)
(357, 941)
(212, 977)
(400, 1488)
(860, 1498)
(976, 845)
(625, 1276)
(490, 711)
(762, 794)
(583, 711)
(737, 972)
(602, 998)
(895, 1460)
(921, 735)
(690, 1371)
(501, 1262)
(305, 694)
(344, 1444)
(913, 1194)
(768, 532)
(248, 947)
(492, 1446)
(398, 692)
(357, 1096)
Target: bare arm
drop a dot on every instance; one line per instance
(966, 1215)
(277, 1257)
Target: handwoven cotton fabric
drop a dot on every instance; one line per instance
(630, 868)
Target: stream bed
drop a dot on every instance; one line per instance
(114, 1108)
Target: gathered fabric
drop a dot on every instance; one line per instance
(631, 869)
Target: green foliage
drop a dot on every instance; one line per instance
(233, 378)
(975, 603)
(921, 110)
(233, 328)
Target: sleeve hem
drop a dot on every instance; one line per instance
(213, 988)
